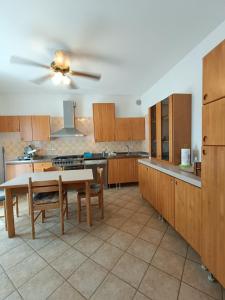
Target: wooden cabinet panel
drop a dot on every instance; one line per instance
(214, 74)
(112, 171)
(152, 187)
(127, 170)
(188, 213)
(15, 170)
(104, 121)
(41, 128)
(165, 203)
(123, 129)
(213, 210)
(158, 131)
(39, 167)
(143, 180)
(213, 127)
(9, 124)
(26, 131)
(137, 129)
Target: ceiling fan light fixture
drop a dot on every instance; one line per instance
(57, 78)
(66, 80)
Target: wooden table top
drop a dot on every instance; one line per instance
(68, 176)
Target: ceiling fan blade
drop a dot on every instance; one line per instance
(28, 62)
(84, 74)
(72, 85)
(42, 79)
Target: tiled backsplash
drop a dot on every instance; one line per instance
(68, 145)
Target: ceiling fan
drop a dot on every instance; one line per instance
(60, 72)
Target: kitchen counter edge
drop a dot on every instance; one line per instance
(173, 171)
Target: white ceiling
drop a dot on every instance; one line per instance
(132, 43)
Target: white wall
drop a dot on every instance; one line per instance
(186, 77)
(52, 104)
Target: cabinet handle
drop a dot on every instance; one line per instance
(176, 182)
(204, 138)
(205, 96)
(204, 152)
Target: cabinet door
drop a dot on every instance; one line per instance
(214, 74)
(143, 181)
(39, 167)
(213, 210)
(137, 129)
(127, 170)
(152, 130)
(158, 131)
(213, 127)
(41, 128)
(113, 171)
(104, 121)
(26, 128)
(188, 213)
(16, 170)
(152, 186)
(165, 197)
(123, 129)
(9, 124)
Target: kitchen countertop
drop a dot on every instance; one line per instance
(95, 156)
(172, 170)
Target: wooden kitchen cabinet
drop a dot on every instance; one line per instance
(40, 166)
(122, 170)
(26, 132)
(130, 129)
(213, 210)
(15, 170)
(188, 207)
(170, 127)
(41, 128)
(152, 187)
(214, 74)
(165, 203)
(104, 122)
(9, 124)
(213, 123)
(143, 180)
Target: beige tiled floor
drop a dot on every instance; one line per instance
(131, 254)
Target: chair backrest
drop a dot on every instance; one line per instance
(45, 187)
(51, 169)
(100, 177)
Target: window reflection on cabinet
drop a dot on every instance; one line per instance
(165, 128)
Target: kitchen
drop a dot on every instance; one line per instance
(112, 158)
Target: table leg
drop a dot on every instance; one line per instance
(9, 213)
(88, 203)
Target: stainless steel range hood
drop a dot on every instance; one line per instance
(69, 129)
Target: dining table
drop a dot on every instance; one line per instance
(71, 180)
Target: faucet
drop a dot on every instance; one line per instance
(128, 149)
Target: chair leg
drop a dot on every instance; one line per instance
(67, 209)
(62, 219)
(78, 209)
(102, 206)
(32, 224)
(42, 216)
(6, 228)
(17, 207)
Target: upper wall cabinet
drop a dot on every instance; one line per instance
(130, 129)
(170, 127)
(9, 124)
(35, 128)
(104, 122)
(214, 74)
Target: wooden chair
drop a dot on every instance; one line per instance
(46, 195)
(2, 204)
(96, 190)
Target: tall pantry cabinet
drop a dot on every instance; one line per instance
(213, 163)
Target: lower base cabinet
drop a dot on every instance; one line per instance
(16, 170)
(122, 170)
(177, 201)
(39, 167)
(188, 213)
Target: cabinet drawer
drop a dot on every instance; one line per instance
(214, 123)
(39, 167)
